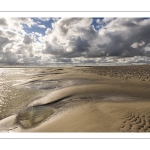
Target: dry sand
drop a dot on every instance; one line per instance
(87, 99)
(100, 117)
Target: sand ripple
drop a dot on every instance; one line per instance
(136, 123)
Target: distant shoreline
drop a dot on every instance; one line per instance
(59, 66)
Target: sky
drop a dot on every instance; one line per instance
(82, 41)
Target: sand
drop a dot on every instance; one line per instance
(100, 117)
(84, 99)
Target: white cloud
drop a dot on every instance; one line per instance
(48, 31)
(16, 45)
(136, 44)
(68, 37)
(17, 23)
(3, 22)
(98, 21)
(75, 37)
(3, 41)
(41, 26)
(27, 39)
(75, 40)
(44, 18)
(55, 19)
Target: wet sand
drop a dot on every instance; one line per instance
(78, 99)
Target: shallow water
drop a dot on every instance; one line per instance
(17, 89)
(14, 98)
(21, 86)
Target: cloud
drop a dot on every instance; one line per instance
(55, 19)
(136, 44)
(41, 26)
(48, 31)
(69, 37)
(27, 39)
(3, 22)
(44, 18)
(121, 33)
(3, 41)
(63, 60)
(10, 34)
(75, 40)
(75, 37)
(17, 46)
(98, 21)
(20, 21)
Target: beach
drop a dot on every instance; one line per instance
(75, 99)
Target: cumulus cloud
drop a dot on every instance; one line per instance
(3, 41)
(3, 22)
(136, 44)
(27, 39)
(74, 37)
(44, 18)
(70, 37)
(75, 40)
(20, 21)
(41, 26)
(16, 46)
(48, 31)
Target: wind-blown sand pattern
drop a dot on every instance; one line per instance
(136, 122)
(75, 99)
